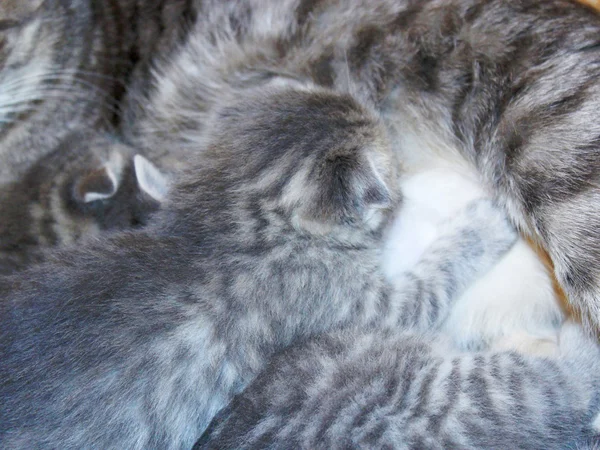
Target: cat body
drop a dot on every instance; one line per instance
(139, 339)
(64, 65)
(524, 387)
(388, 389)
(509, 88)
(90, 183)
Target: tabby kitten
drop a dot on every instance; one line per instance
(510, 88)
(385, 389)
(64, 65)
(88, 184)
(137, 340)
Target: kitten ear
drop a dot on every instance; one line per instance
(150, 180)
(101, 183)
(353, 190)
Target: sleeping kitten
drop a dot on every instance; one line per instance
(385, 389)
(510, 88)
(137, 340)
(90, 183)
(64, 65)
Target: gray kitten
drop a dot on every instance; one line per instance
(384, 389)
(511, 88)
(137, 340)
(88, 184)
(64, 65)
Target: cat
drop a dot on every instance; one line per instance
(387, 389)
(88, 184)
(64, 66)
(512, 308)
(510, 88)
(138, 339)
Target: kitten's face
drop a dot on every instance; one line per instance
(312, 154)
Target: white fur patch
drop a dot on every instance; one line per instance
(517, 295)
(150, 179)
(596, 423)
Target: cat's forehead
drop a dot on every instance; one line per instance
(298, 118)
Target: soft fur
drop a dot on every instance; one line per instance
(517, 296)
(64, 65)
(385, 389)
(510, 88)
(138, 340)
(88, 184)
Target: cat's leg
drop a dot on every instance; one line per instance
(581, 353)
(571, 347)
(472, 243)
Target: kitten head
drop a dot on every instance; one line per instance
(89, 184)
(102, 182)
(309, 156)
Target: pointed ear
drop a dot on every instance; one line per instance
(150, 180)
(352, 191)
(369, 189)
(100, 183)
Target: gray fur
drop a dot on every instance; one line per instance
(138, 340)
(64, 65)
(87, 185)
(511, 87)
(384, 389)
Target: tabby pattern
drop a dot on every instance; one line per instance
(384, 389)
(510, 88)
(64, 66)
(137, 340)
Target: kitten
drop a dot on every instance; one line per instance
(333, 394)
(64, 65)
(385, 389)
(510, 88)
(137, 340)
(88, 184)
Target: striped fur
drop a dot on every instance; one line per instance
(64, 65)
(509, 88)
(275, 234)
(384, 389)
(88, 184)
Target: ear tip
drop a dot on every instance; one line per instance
(139, 159)
(378, 195)
(150, 179)
(95, 185)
